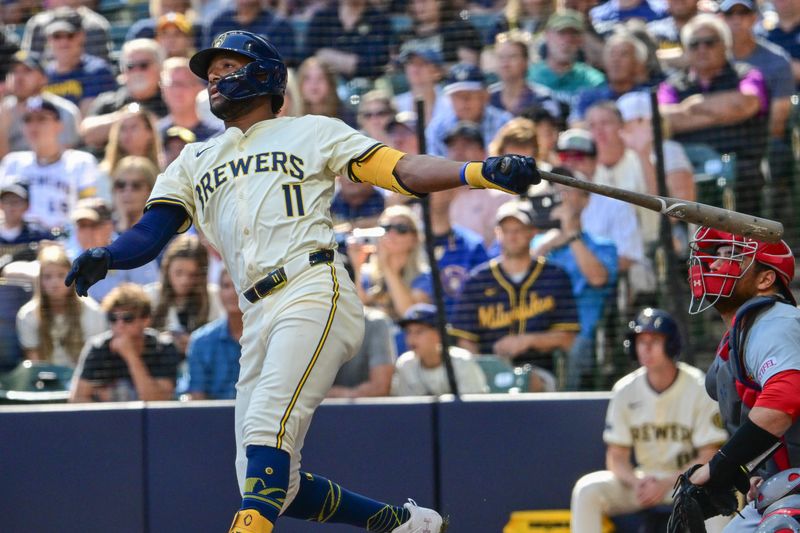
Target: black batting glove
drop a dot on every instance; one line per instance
(89, 268)
(513, 174)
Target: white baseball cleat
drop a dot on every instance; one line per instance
(422, 520)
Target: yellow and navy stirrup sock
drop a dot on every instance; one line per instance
(267, 481)
(321, 500)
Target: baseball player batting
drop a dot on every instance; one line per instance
(261, 193)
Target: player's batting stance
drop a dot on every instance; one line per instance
(261, 193)
(755, 376)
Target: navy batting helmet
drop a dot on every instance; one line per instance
(652, 320)
(265, 75)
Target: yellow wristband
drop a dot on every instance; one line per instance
(473, 175)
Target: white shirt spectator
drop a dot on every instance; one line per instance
(412, 379)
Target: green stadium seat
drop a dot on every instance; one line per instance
(36, 382)
(501, 376)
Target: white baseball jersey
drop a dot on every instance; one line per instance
(665, 430)
(263, 196)
(54, 189)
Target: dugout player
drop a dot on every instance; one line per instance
(261, 193)
(660, 414)
(756, 374)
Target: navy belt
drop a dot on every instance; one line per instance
(277, 278)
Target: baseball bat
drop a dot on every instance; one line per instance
(758, 228)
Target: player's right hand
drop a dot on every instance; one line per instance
(89, 268)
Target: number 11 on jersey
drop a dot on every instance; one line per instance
(298, 197)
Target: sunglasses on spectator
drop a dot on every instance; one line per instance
(121, 185)
(138, 65)
(37, 117)
(62, 35)
(127, 317)
(402, 229)
(374, 114)
(708, 42)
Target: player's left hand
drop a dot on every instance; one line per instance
(89, 268)
(513, 174)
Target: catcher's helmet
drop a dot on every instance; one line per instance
(652, 320)
(265, 75)
(782, 484)
(782, 516)
(710, 246)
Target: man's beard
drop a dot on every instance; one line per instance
(229, 110)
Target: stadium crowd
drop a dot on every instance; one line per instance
(89, 116)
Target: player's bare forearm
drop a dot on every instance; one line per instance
(618, 461)
(546, 341)
(424, 173)
(772, 420)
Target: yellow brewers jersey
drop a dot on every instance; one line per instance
(263, 196)
(664, 429)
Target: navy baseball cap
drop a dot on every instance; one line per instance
(465, 130)
(38, 104)
(727, 5)
(421, 313)
(464, 77)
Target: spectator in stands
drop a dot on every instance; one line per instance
(183, 300)
(26, 79)
(174, 34)
(457, 249)
(620, 166)
(423, 72)
(251, 15)
(146, 28)
(402, 131)
(9, 45)
(94, 227)
(351, 37)
(214, 350)
(95, 26)
(517, 136)
(369, 372)
(179, 88)
(774, 63)
(131, 361)
(358, 204)
(783, 29)
(589, 261)
(318, 90)
(606, 15)
(660, 414)
(513, 92)
(56, 177)
(528, 16)
(436, 24)
(140, 67)
(603, 217)
(625, 65)
(55, 323)
(637, 133)
(134, 133)
(393, 277)
(18, 238)
(420, 371)
(466, 88)
(517, 306)
(561, 71)
(13, 12)
(473, 209)
(548, 127)
(375, 110)
(73, 74)
(667, 31)
(174, 140)
(720, 104)
(131, 184)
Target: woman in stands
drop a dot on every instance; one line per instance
(183, 300)
(318, 91)
(135, 133)
(55, 324)
(132, 182)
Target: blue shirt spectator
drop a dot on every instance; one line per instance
(278, 30)
(605, 15)
(346, 210)
(367, 40)
(213, 357)
(88, 79)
